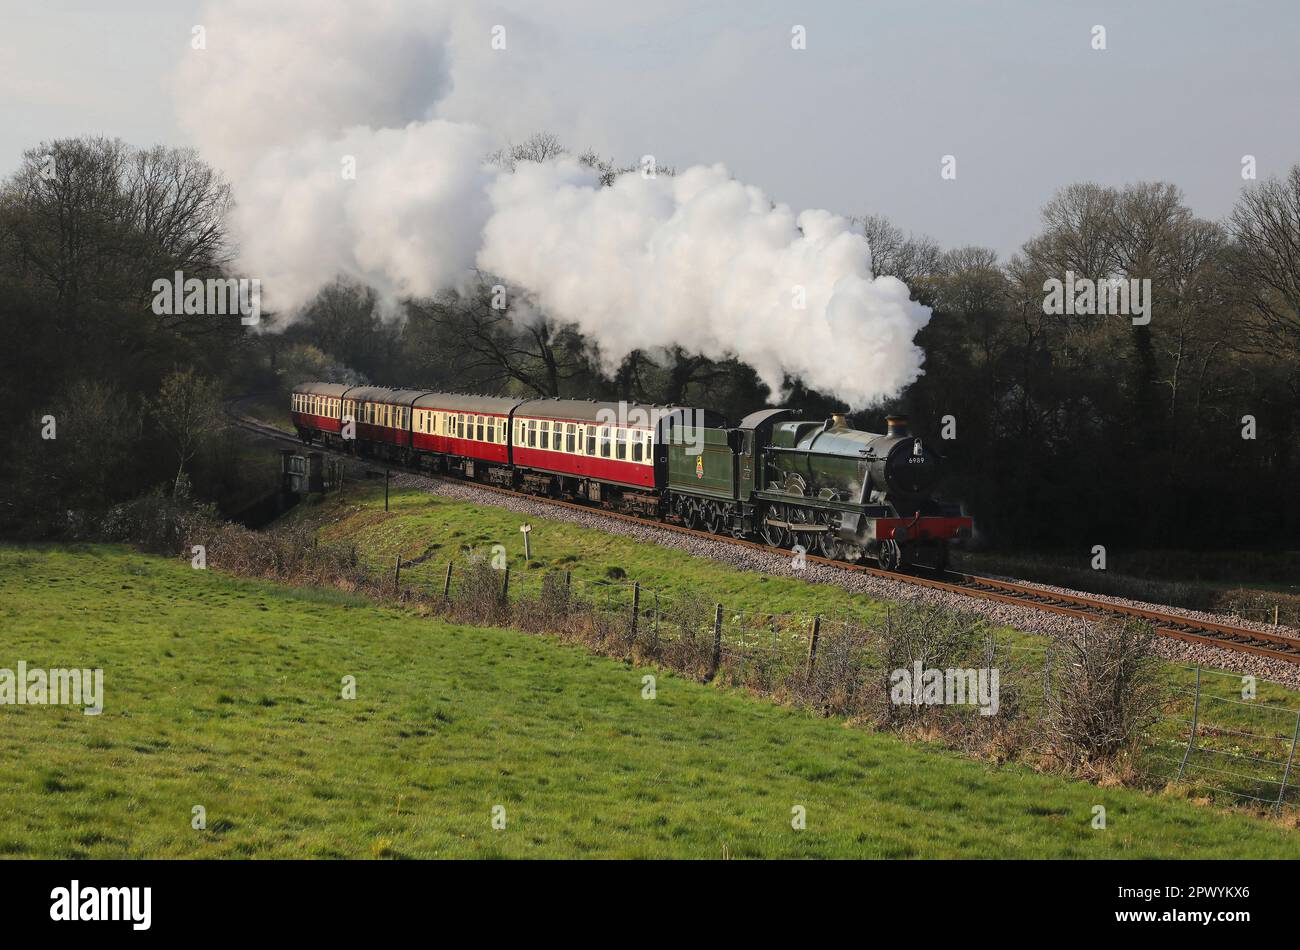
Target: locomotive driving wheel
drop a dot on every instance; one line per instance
(797, 517)
(713, 516)
(890, 555)
(775, 535)
(828, 543)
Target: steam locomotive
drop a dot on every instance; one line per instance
(818, 486)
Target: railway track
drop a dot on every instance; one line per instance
(1273, 646)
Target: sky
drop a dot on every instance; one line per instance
(858, 122)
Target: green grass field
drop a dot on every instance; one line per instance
(226, 694)
(421, 524)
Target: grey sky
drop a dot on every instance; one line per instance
(858, 122)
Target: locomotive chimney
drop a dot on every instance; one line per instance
(898, 427)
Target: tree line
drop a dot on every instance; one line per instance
(1060, 430)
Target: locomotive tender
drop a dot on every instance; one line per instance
(820, 486)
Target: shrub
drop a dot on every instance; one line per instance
(1106, 689)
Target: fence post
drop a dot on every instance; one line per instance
(812, 644)
(446, 583)
(1196, 718)
(717, 642)
(655, 636)
(636, 605)
(505, 585)
(1047, 673)
(387, 474)
(397, 576)
(1286, 774)
(568, 583)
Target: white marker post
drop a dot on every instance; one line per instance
(525, 528)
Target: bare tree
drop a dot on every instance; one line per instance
(895, 254)
(188, 410)
(538, 147)
(96, 222)
(490, 343)
(1265, 226)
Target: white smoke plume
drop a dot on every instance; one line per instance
(288, 92)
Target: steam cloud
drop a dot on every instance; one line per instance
(287, 91)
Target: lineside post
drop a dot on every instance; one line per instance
(1196, 718)
(812, 644)
(1286, 774)
(446, 583)
(636, 605)
(717, 642)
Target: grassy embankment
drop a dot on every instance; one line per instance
(225, 693)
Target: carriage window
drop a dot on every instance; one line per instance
(650, 447)
(638, 447)
(569, 429)
(532, 433)
(620, 451)
(501, 432)
(591, 441)
(604, 443)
